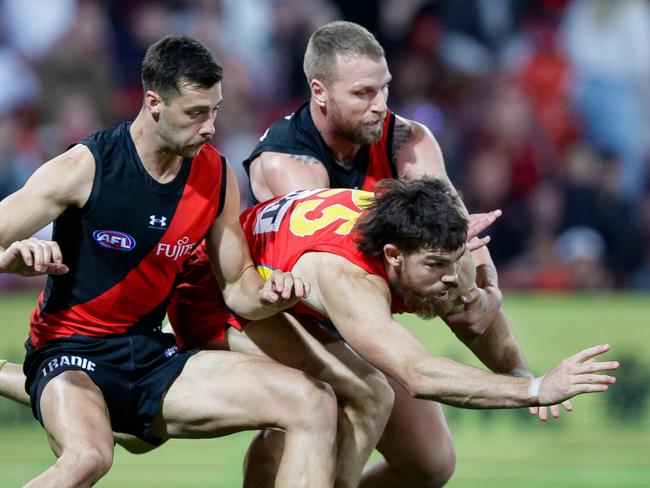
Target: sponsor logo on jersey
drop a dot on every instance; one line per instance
(171, 351)
(113, 239)
(156, 222)
(59, 362)
(174, 251)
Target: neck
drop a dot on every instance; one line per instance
(340, 147)
(161, 165)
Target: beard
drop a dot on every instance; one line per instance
(424, 305)
(363, 133)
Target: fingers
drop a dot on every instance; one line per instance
(589, 353)
(595, 366)
(480, 222)
(38, 257)
(470, 296)
(567, 405)
(595, 379)
(477, 243)
(284, 285)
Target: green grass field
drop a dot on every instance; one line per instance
(601, 444)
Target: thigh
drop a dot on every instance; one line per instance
(221, 392)
(74, 413)
(304, 345)
(416, 436)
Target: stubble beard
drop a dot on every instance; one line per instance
(360, 134)
(423, 305)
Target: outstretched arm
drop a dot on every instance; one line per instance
(244, 290)
(62, 182)
(359, 305)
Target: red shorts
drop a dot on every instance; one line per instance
(196, 311)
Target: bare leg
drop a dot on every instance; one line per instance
(12, 386)
(417, 446)
(365, 398)
(12, 382)
(220, 392)
(79, 431)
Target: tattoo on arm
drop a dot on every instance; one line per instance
(305, 159)
(402, 132)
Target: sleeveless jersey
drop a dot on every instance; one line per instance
(297, 134)
(322, 220)
(128, 243)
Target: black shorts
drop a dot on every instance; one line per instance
(133, 371)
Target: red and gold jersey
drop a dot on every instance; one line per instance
(281, 230)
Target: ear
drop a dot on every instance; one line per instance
(318, 92)
(393, 255)
(153, 102)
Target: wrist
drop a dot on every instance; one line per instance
(533, 391)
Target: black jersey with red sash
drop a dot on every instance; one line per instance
(296, 134)
(128, 243)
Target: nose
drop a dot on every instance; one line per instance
(207, 128)
(379, 103)
(450, 278)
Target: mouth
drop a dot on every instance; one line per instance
(443, 296)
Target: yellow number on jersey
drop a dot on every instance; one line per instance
(302, 226)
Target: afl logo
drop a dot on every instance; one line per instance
(112, 239)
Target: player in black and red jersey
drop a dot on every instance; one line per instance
(129, 205)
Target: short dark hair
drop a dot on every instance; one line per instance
(338, 38)
(175, 61)
(413, 215)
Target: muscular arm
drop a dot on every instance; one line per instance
(60, 183)
(359, 306)
(274, 174)
(244, 290)
(417, 153)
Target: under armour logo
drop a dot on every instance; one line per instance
(156, 222)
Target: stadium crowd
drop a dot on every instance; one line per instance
(541, 107)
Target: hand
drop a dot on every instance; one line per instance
(576, 375)
(33, 257)
(479, 310)
(542, 412)
(283, 290)
(477, 224)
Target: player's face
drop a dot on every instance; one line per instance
(357, 98)
(186, 121)
(426, 280)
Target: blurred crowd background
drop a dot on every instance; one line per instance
(541, 107)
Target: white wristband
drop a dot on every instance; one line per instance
(533, 390)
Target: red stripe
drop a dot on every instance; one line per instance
(146, 286)
(378, 164)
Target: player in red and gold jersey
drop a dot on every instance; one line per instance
(367, 259)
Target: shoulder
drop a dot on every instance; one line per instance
(69, 176)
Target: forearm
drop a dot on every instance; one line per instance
(446, 381)
(486, 271)
(244, 296)
(497, 347)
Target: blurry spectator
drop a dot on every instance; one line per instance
(608, 43)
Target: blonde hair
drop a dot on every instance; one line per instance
(339, 38)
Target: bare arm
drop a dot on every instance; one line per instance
(274, 174)
(359, 305)
(62, 182)
(417, 154)
(244, 290)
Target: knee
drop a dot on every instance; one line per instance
(314, 406)
(86, 464)
(436, 472)
(374, 401)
